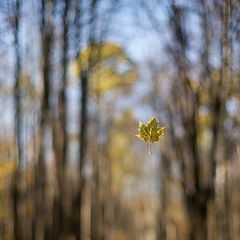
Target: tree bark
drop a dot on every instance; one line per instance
(198, 218)
(79, 224)
(60, 142)
(18, 127)
(40, 172)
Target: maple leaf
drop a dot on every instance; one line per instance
(150, 132)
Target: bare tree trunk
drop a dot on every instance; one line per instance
(79, 224)
(46, 44)
(224, 83)
(196, 195)
(162, 218)
(60, 142)
(97, 188)
(18, 127)
(198, 218)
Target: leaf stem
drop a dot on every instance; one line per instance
(149, 148)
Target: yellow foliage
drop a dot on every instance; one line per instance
(120, 235)
(7, 168)
(107, 64)
(204, 119)
(124, 161)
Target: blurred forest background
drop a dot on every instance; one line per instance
(76, 76)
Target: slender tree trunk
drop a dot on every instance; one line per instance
(196, 195)
(60, 142)
(198, 221)
(97, 188)
(40, 178)
(225, 82)
(80, 227)
(162, 218)
(18, 128)
(79, 224)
